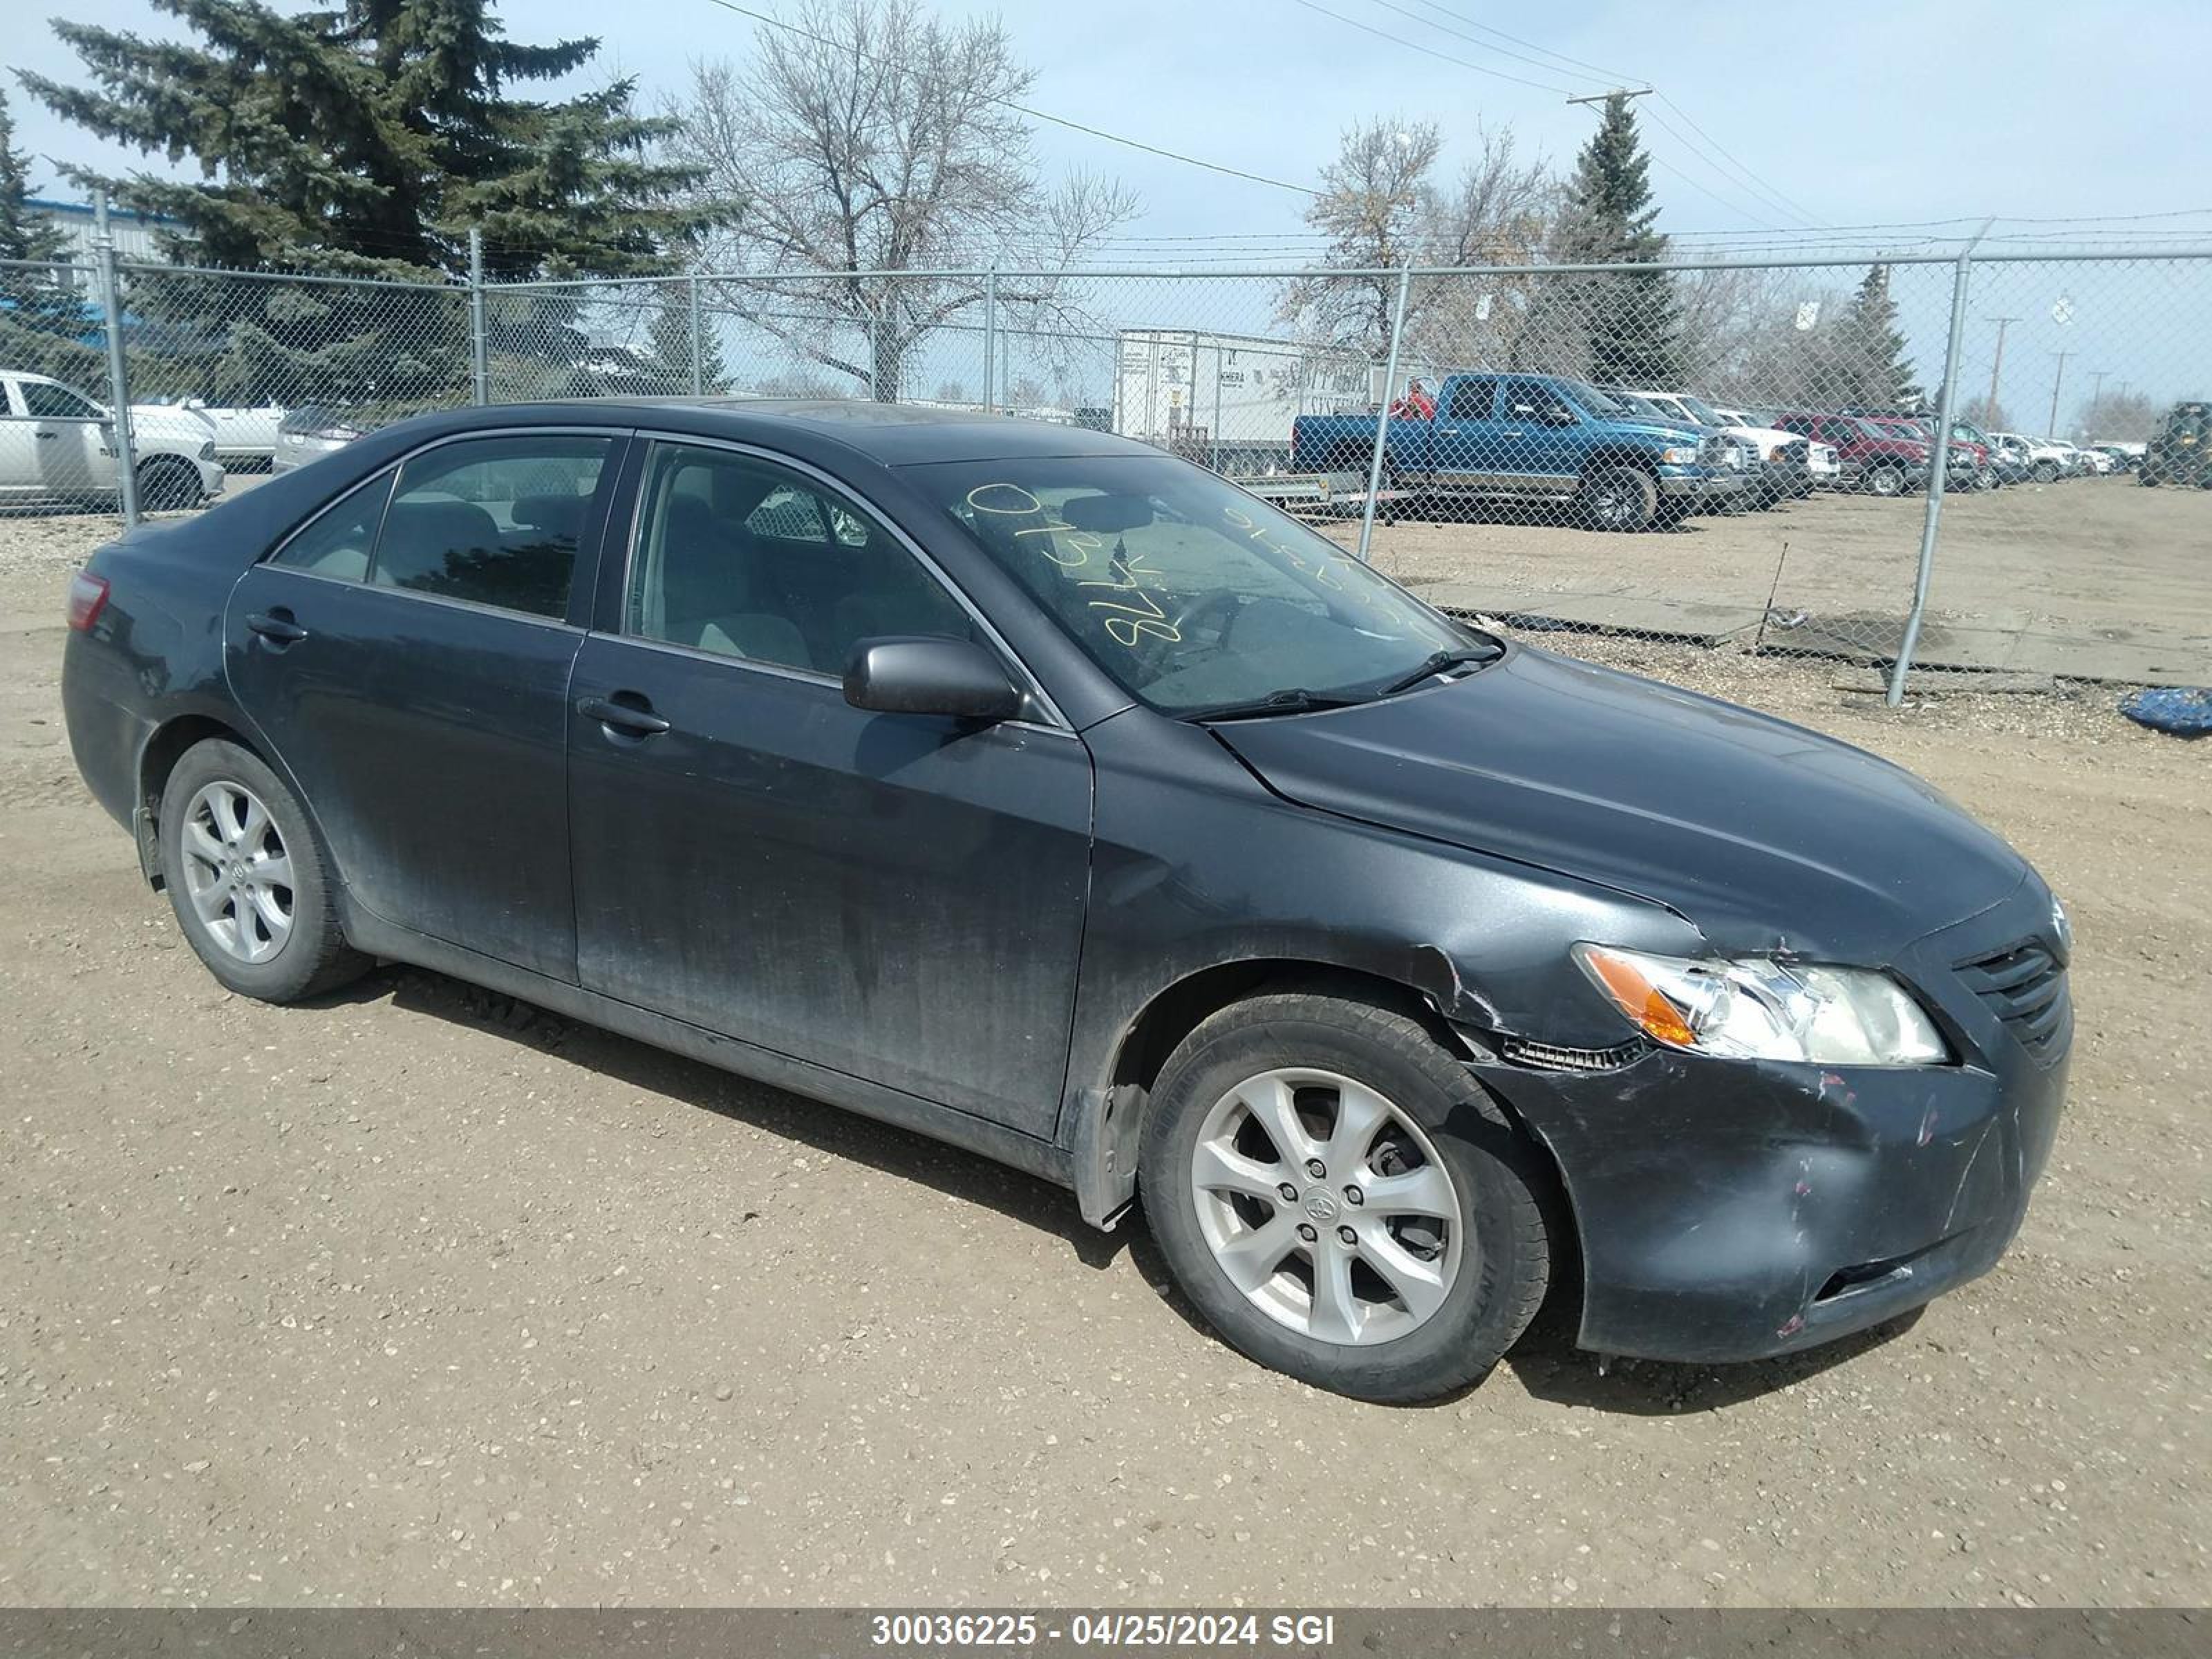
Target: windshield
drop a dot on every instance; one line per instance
(1188, 593)
(1594, 401)
(1703, 412)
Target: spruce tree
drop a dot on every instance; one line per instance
(1629, 325)
(45, 324)
(364, 141)
(1872, 370)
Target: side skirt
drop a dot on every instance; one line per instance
(375, 937)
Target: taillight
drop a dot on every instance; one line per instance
(88, 598)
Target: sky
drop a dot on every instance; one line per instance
(1871, 113)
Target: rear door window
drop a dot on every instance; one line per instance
(493, 521)
(1473, 399)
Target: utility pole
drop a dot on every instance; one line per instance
(1617, 92)
(2097, 391)
(2056, 380)
(1997, 366)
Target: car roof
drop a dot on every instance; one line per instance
(889, 434)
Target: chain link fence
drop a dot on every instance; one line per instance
(1738, 455)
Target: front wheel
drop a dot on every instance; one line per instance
(1885, 481)
(167, 484)
(1341, 1200)
(1619, 498)
(246, 878)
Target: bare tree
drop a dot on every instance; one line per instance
(876, 138)
(2118, 418)
(1380, 210)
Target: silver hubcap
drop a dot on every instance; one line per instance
(1326, 1207)
(237, 873)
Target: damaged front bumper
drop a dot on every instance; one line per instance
(1735, 1210)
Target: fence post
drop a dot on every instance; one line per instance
(698, 343)
(119, 371)
(991, 338)
(1939, 462)
(1382, 418)
(479, 347)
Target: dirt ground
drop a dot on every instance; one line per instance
(2095, 577)
(412, 1298)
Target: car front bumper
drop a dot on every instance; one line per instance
(1733, 1211)
(1685, 483)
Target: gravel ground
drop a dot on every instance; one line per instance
(417, 1297)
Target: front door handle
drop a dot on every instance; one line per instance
(276, 626)
(48, 437)
(625, 717)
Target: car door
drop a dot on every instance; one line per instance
(406, 655)
(1460, 444)
(1538, 445)
(73, 442)
(898, 897)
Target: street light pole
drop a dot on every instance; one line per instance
(2058, 381)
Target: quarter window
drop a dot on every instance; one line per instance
(494, 521)
(339, 542)
(1472, 400)
(742, 558)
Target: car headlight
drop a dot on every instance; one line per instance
(207, 450)
(1756, 1009)
(1680, 455)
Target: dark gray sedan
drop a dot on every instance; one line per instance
(1050, 795)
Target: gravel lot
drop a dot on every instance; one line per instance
(417, 1297)
(2090, 577)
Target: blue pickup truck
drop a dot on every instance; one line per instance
(1536, 438)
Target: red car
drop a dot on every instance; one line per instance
(1969, 459)
(1874, 457)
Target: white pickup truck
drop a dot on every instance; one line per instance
(1780, 474)
(57, 445)
(244, 433)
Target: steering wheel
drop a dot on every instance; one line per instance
(1200, 611)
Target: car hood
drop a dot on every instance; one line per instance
(1678, 434)
(171, 425)
(1761, 834)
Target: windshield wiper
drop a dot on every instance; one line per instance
(1437, 661)
(1291, 700)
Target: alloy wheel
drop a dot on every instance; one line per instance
(1327, 1206)
(236, 871)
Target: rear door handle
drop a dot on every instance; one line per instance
(276, 626)
(639, 722)
(48, 437)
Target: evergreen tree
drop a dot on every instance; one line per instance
(1871, 369)
(364, 141)
(1629, 327)
(45, 323)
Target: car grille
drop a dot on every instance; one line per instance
(2025, 987)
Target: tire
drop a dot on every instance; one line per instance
(1985, 479)
(273, 940)
(167, 484)
(1440, 1141)
(1885, 481)
(1620, 498)
(2046, 472)
(2147, 478)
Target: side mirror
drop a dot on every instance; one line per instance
(955, 679)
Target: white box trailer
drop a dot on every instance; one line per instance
(1227, 400)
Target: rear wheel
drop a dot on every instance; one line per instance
(246, 878)
(1619, 498)
(2046, 472)
(1885, 481)
(1341, 1200)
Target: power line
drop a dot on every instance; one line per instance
(1574, 62)
(1033, 113)
(1463, 35)
(1429, 51)
(1775, 196)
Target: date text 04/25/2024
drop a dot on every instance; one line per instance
(941, 1631)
